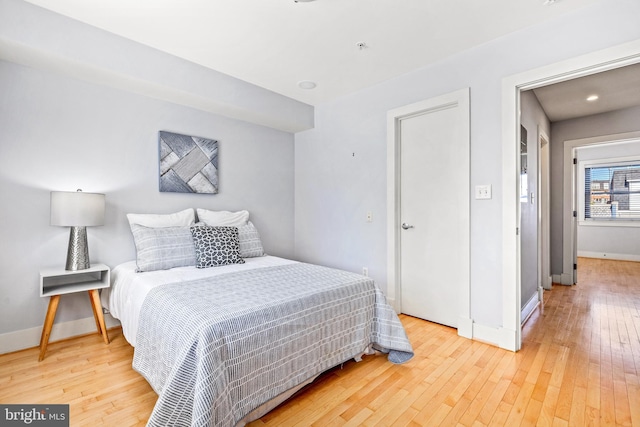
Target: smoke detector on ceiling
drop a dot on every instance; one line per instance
(307, 84)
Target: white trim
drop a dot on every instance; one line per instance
(609, 223)
(28, 338)
(488, 334)
(460, 99)
(603, 60)
(465, 327)
(609, 255)
(563, 279)
(544, 215)
(541, 292)
(531, 305)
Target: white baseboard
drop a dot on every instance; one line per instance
(465, 327)
(508, 339)
(563, 279)
(28, 338)
(486, 334)
(499, 337)
(529, 307)
(608, 255)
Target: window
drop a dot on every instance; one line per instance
(612, 191)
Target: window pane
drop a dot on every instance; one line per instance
(612, 192)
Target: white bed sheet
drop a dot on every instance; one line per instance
(129, 289)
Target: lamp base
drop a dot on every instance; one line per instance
(78, 252)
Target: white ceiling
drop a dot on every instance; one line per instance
(616, 89)
(277, 43)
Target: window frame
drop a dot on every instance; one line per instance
(580, 191)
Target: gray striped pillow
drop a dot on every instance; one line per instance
(163, 248)
(250, 243)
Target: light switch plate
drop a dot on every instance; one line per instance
(483, 191)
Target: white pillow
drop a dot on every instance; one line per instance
(183, 218)
(223, 218)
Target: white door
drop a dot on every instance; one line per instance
(434, 213)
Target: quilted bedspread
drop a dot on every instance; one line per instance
(215, 349)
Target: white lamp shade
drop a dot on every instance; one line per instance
(77, 209)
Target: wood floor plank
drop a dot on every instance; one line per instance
(547, 413)
(579, 365)
(634, 398)
(494, 400)
(532, 413)
(517, 413)
(578, 407)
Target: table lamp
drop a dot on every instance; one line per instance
(77, 210)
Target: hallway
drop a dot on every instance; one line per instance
(590, 335)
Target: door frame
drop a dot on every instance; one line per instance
(569, 275)
(602, 60)
(544, 212)
(458, 99)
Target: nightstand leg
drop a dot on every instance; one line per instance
(48, 324)
(97, 314)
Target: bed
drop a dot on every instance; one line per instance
(222, 346)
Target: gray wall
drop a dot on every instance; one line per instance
(37, 37)
(335, 189)
(62, 134)
(620, 121)
(532, 118)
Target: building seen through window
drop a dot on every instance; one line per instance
(612, 192)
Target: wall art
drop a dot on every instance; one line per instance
(188, 164)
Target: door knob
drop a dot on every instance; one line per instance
(406, 226)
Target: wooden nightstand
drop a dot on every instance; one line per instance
(54, 282)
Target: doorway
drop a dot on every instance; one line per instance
(596, 62)
(592, 238)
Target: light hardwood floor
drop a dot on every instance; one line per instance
(579, 365)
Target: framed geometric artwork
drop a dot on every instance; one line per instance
(188, 164)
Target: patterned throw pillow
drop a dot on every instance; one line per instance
(250, 243)
(216, 246)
